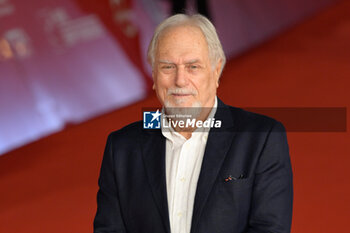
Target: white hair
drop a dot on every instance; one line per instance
(216, 52)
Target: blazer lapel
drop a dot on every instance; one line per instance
(153, 152)
(218, 144)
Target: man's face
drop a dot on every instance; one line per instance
(183, 74)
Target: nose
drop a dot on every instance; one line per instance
(181, 79)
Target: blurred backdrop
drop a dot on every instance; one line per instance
(70, 60)
(71, 71)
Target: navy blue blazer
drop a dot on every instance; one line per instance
(250, 148)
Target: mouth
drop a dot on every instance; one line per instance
(181, 95)
(180, 99)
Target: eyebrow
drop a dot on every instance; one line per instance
(186, 62)
(166, 61)
(192, 61)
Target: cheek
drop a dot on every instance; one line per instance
(164, 82)
(206, 85)
(161, 88)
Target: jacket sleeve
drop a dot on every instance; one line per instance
(108, 217)
(272, 199)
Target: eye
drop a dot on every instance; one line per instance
(167, 67)
(193, 67)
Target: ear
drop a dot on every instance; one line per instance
(217, 71)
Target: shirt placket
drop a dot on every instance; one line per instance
(181, 189)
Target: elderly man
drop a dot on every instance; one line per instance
(234, 178)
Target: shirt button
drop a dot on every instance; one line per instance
(183, 179)
(179, 214)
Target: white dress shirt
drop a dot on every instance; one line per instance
(183, 164)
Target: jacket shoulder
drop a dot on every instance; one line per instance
(128, 133)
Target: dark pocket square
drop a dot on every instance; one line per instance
(233, 178)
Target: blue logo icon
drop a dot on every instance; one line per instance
(151, 120)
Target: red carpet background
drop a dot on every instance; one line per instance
(51, 185)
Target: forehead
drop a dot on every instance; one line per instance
(182, 40)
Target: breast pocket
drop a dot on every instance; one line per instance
(236, 188)
(233, 196)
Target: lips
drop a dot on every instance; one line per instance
(181, 95)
